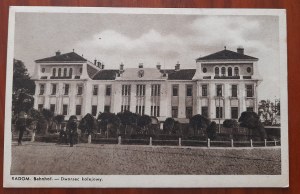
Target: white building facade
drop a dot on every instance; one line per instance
(222, 86)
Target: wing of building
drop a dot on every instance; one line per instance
(222, 85)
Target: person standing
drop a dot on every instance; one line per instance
(72, 128)
(21, 125)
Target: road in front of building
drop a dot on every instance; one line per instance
(87, 159)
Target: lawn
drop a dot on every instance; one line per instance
(86, 159)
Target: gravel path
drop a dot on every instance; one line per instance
(88, 159)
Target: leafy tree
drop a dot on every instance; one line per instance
(230, 123)
(110, 122)
(251, 121)
(59, 119)
(168, 125)
(199, 122)
(88, 125)
(267, 111)
(144, 121)
(211, 130)
(127, 118)
(48, 115)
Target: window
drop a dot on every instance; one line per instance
(189, 90)
(79, 89)
(234, 91)
(65, 109)
(59, 72)
(174, 111)
(204, 90)
(42, 89)
(108, 90)
(219, 90)
(40, 107)
(155, 111)
(155, 90)
(53, 72)
(95, 90)
(236, 71)
(106, 108)
(229, 71)
(94, 110)
(126, 90)
(43, 70)
(249, 69)
(204, 111)
(52, 108)
(217, 71)
(219, 112)
(70, 72)
(140, 110)
(67, 88)
(234, 113)
(80, 70)
(175, 90)
(65, 72)
(189, 112)
(125, 108)
(53, 89)
(204, 70)
(140, 90)
(249, 109)
(223, 71)
(249, 90)
(78, 109)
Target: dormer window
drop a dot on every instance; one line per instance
(249, 69)
(229, 71)
(204, 69)
(59, 72)
(236, 71)
(217, 71)
(80, 70)
(65, 72)
(43, 70)
(223, 71)
(70, 72)
(53, 72)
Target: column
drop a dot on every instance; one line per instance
(36, 93)
(60, 87)
(116, 99)
(197, 99)
(47, 93)
(72, 106)
(181, 101)
(227, 108)
(133, 98)
(148, 99)
(87, 102)
(211, 101)
(242, 101)
(165, 101)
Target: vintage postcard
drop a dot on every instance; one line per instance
(135, 97)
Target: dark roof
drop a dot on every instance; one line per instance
(91, 71)
(227, 54)
(72, 56)
(106, 74)
(182, 74)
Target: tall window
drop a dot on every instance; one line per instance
(189, 112)
(155, 90)
(189, 90)
(204, 90)
(126, 90)
(155, 111)
(107, 108)
(65, 109)
(70, 72)
(78, 109)
(234, 91)
(140, 90)
(65, 72)
(217, 71)
(53, 72)
(80, 70)
(108, 90)
(223, 71)
(94, 110)
(219, 112)
(79, 89)
(53, 89)
(42, 89)
(219, 90)
(234, 113)
(229, 71)
(175, 90)
(52, 108)
(125, 108)
(67, 88)
(174, 111)
(95, 90)
(59, 72)
(249, 89)
(140, 110)
(236, 71)
(204, 111)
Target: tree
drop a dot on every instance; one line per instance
(110, 122)
(267, 111)
(211, 130)
(48, 116)
(230, 123)
(168, 125)
(88, 125)
(199, 122)
(59, 119)
(144, 121)
(127, 118)
(251, 121)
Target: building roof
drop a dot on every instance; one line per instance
(91, 71)
(106, 74)
(226, 55)
(67, 57)
(182, 74)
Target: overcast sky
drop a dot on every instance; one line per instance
(150, 39)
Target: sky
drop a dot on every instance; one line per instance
(150, 39)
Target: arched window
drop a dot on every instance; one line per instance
(236, 71)
(59, 72)
(223, 71)
(65, 72)
(229, 71)
(217, 71)
(70, 72)
(53, 72)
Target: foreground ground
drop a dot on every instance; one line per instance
(52, 159)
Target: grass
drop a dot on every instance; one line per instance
(86, 159)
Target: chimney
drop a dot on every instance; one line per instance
(177, 66)
(158, 66)
(240, 50)
(95, 62)
(140, 65)
(102, 67)
(121, 67)
(57, 53)
(99, 64)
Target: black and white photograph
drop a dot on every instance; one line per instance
(146, 97)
